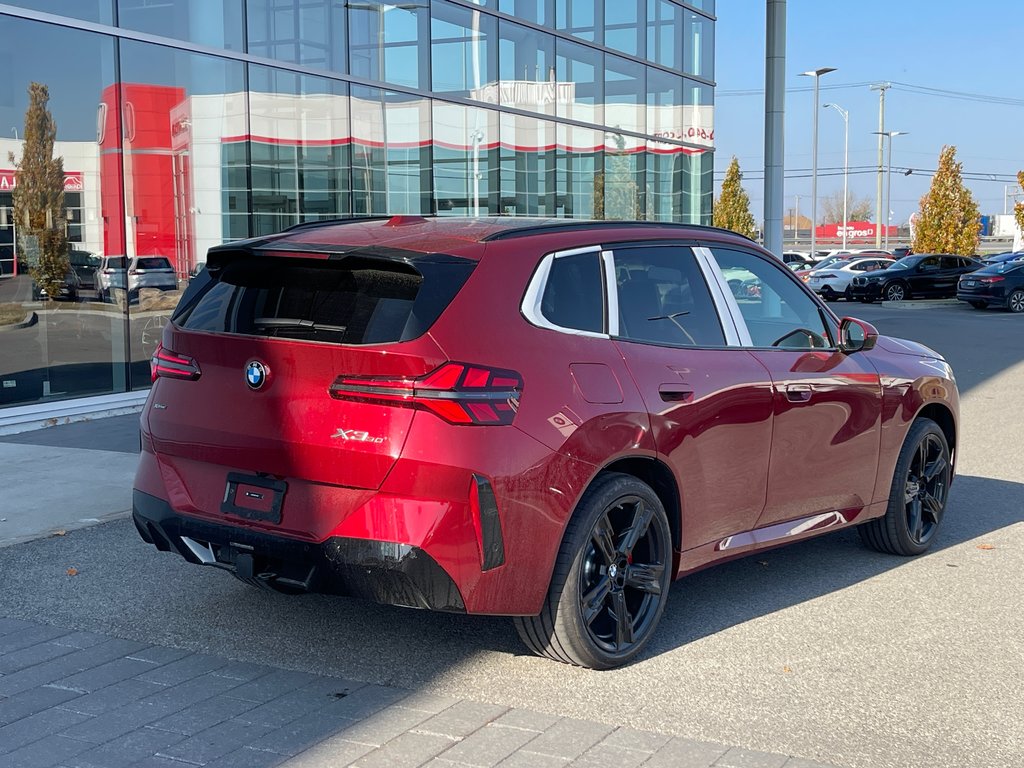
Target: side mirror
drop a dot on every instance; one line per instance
(856, 335)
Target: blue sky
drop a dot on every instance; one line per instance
(971, 47)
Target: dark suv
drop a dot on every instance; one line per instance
(915, 277)
(548, 420)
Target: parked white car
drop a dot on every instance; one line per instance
(834, 280)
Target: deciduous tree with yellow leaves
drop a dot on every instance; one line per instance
(950, 221)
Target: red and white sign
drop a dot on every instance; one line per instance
(73, 181)
(855, 230)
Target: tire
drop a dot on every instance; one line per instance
(828, 294)
(848, 293)
(604, 564)
(917, 498)
(1015, 301)
(896, 292)
(979, 304)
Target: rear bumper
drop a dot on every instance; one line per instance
(384, 572)
(992, 301)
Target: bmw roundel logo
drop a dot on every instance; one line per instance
(256, 374)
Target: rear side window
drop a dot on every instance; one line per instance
(663, 298)
(574, 293)
(354, 301)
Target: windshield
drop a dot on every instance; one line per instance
(907, 262)
(827, 262)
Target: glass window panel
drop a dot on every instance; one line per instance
(216, 23)
(53, 242)
(574, 293)
(581, 18)
(527, 70)
(368, 157)
(699, 114)
(538, 11)
(625, 103)
(578, 159)
(384, 41)
(464, 56)
(527, 166)
(665, 105)
(666, 169)
(619, 186)
(708, 6)
(101, 11)
(624, 26)
(465, 143)
(310, 32)
(183, 114)
(699, 45)
(409, 178)
(300, 144)
(577, 68)
(665, 33)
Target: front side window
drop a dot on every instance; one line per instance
(663, 298)
(777, 311)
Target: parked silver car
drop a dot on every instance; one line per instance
(140, 272)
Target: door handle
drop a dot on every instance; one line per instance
(675, 393)
(798, 393)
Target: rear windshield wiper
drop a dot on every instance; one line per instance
(285, 322)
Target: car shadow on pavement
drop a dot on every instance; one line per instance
(733, 593)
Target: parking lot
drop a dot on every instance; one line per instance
(824, 650)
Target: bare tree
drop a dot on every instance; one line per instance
(857, 208)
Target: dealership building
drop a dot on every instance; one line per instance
(186, 123)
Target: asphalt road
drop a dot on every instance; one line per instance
(824, 649)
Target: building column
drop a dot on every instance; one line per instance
(774, 109)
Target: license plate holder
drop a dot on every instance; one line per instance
(970, 283)
(253, 497)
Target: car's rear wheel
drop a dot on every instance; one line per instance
(917, 498)
(896, 292)
(611, 578)
(828, 294)
(848, 293)
(979, 304)
(1015, 302)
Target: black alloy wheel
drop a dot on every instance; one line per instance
(917, 499)
(611, 578)
(895, 292)
(1015, 302)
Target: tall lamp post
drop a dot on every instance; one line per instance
(846, 163)
(816, 74)
(888, 180)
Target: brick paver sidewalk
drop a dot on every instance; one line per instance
(86, 700)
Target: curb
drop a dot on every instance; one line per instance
(30, 319)
(28, 418)
(921, 303)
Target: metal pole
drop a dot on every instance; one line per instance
(881, 88)
(888, 193)
(774, 109)
(814, 172)
(846, 175)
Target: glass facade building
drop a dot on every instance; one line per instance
(185, 123)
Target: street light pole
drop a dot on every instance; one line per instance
(888, 180)
(816, 74)
(846, 164)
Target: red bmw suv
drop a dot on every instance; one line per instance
(545, 419)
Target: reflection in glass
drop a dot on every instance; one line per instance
(217, 23)
(369, 167)
(538, 11)
(619, 188)
(465, 160)
(409, 179)
(310, 32)
(384, 41)
(527, 68)
(665, 33)
(100, 11)
(527, 166)
(299, 148)
(699, 42)
(464, 57)
(57, 339)
(577, 68)
(577, 158)
(624, 26)
(579, 18)
(625, 94)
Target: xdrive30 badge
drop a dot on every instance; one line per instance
(256, 374)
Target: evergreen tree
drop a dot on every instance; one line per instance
(39, 196)
(950, 221)
(732, 210)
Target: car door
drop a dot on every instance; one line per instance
(710, 402)
(827, 404)
(925, 276)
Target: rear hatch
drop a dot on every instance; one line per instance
(152, 272)
(243, 377)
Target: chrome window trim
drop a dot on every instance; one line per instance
(611, 292)
(531, 305)
(735, 326)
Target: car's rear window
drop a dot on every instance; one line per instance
(152, 263)
(116, 262)
(357, 301)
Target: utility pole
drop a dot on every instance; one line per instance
(881, 88)
(774, 108)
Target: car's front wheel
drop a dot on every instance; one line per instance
(917, 498)
(611, 578)
(896, 292)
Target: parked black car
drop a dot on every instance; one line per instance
(901, 250)
(999, 258)
(70, 290)
(997, 285)
(85, 265)
(915, 277)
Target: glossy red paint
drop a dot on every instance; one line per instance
(762, 446)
